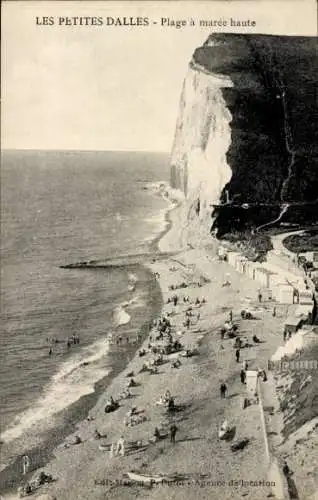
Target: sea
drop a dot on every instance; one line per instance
(60, 208)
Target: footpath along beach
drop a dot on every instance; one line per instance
(206, 465)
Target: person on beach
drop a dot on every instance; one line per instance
(68, 344)
(157, 434)
(132, 383)
(231, 316)
(262, 374)
(97, 435)
(26, 462)
(286, 469)
(260, 296)
(243, 376)
(167, 395)
(171, 405)
(223, 390)
(50, 351)
(173, 432)
(112, 450)
(120, 449)
(285, 335)
(237, 355)
(188, 323)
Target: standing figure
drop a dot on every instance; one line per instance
(223, 390)
(243, 376)
(112, 451)
(173, 431)
(26, 464)
(286, 469)
(120, 450)
(237, 355)
(260, 296)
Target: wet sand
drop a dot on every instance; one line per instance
(84, 471)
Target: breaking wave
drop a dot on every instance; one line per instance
(76, 378)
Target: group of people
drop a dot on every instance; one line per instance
(172, 432)
(73, 340)
(163, 327)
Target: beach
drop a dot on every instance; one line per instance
(207, 466)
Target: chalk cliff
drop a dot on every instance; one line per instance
(247, 133)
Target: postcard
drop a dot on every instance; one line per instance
(159, 249)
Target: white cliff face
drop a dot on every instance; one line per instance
(202, 138)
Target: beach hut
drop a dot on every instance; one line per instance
(251, 383)
(262, 276)
(257, 273)
(267, 294)
(222, 253)
(241, 263)
(276, 279)
(232, 256)
(266, 277)
(250, 269)
(284, 293)
(315, 260)
(305, 296)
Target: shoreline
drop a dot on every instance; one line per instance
(76, 413)
(67, 421)
(86, 472)
(203, 337)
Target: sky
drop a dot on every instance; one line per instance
(113, 88)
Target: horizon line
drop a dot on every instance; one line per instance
(89, 150)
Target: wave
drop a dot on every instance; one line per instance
(132, 278)
(120, 316)
(76, 378)
(132, 281)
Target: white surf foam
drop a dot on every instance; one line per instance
(132, 281)
(132, 278)
(76, 378)
(120, 316)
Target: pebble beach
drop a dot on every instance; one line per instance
(203, 465)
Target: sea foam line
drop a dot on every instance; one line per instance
(76, 378)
